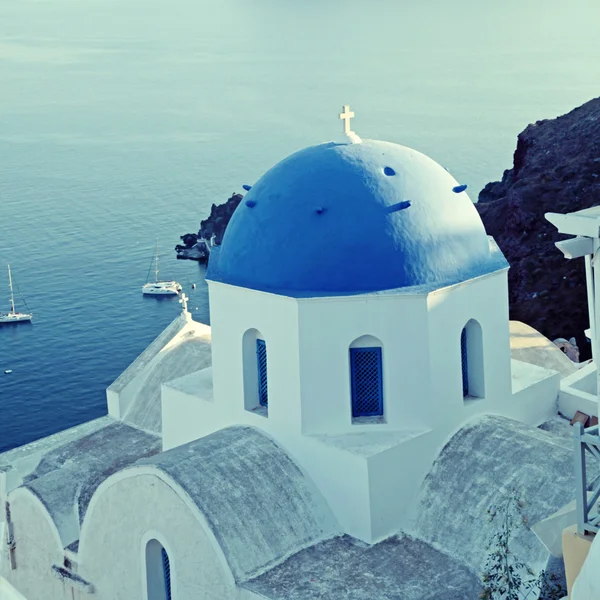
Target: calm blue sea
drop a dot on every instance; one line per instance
(122, 121)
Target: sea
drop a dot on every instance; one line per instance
(123, 121)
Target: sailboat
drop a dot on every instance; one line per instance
(13, 316)
(159, 288)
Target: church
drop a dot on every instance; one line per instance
(339, 431)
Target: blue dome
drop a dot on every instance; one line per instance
(350, 218)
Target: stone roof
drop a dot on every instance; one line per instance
(26, 458)
(182, 348)
(259, 505)
(144, 359)
(478, 469)
(182, 359)
(399, 568)
(68, 475)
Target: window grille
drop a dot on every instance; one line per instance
(367, 382)
(465, 362)
(261, 359)
(166, 573)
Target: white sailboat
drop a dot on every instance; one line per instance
(160, 288)
(13, 316)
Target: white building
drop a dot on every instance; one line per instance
(356, 385)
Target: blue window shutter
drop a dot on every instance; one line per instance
(366, 374)
(166, 573)
(261, 359)
(464, 362)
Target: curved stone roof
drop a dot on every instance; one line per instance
(186, 357)
(182, 348)
(69, 474)
(343, 568)
(259, 505)
(478, 469)
(351, 218)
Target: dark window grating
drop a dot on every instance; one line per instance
(166, 573)
(465, 362)
(367, 382)
(261, 359)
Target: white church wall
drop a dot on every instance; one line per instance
(484, 300)
(308, 342)
(187, 416)
(534, 394)
(234, 312)
(341, 476)
(37, 548)
(129, 510)
(395, 478)
(327, 329)
(188, 408)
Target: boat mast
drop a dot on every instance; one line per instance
(12, 295)
(156, 263)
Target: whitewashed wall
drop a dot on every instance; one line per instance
(369, 473)
(233, 312)
(484, 300)
(327, 328)
(131, 508)
(38, 547)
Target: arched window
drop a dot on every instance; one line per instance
(366, 377)
(158, 572)
(261, 360)
(464, 360)
(471, 356)
(255, 372)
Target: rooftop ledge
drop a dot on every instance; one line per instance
(198, 384)
(369, 443)
(525, 375)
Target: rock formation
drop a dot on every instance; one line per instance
(556, 169)
(196, 245)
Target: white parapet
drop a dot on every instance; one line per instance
(578, 392)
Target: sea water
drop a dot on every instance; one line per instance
(122, 121)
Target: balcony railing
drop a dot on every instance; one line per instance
(587, 444)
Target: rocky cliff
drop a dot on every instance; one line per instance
(556, 169)
(194, 245)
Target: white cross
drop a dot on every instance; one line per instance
(345, 116)
(183, 301)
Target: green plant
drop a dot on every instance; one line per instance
(506, 576)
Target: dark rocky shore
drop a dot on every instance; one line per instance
(556, 169)
(196, 246)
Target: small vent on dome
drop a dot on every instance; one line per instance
(398, 206)
(320, 210)
(250, 203)
(389, 171)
